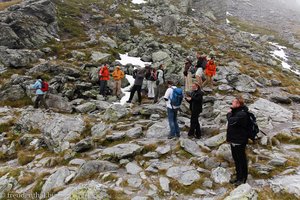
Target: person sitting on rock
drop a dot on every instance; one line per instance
(195, 100)
(118, 75)
(210, 71)
(237, 136)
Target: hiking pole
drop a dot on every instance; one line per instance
(263, 132)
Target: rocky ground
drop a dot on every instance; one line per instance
(88, 148)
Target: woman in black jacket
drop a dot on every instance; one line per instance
(237, 136)
(195, 101)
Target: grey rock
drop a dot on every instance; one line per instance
(102, 105)
(164, 183)
(99, 130)
(296, 45)
(134, 182)
(6, 184)
(83, 145)
(224, 151)
(107, 40)
(278, 161)
(77, 161)
(281, 99)
(211, 163)
(115, 112)
(59, 103)
(122, 150)
(133, 168)
(289, 184)
(244, 191)
(163, 149)
(220, 175)
(91, 190)
(56, 180)
(12, 93)
(94, 166)
(169, 25)
(98, 56)
(86, 107)
(185, 175)
(134, 132)
(161, 56)
(158, 130)
(242, 83)
(192, 147)
(215, 140)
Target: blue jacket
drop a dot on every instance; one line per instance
(38, 85)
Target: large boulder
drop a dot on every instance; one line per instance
(220, 175)
(185, 175)
(91, 190)
(244, 191)
(161, 57)
(55, 128)
(242, 83)
(192, 147)
(56, 180)
(94, 166)
(115, 112)
(289, 184)
(271, 115)
(59, 103)
(215, 140)
(12, 93)
(158, 130)
(28, 24)
(122, 151)
(169, 25)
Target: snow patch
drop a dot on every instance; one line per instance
(228, 14)
(138, 1)
(280, 55)
(227, 21)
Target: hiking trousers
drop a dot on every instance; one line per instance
(172, 118)
(136, 88)
(240, 160)
(103, 85)
(158, 92)
(195, 126)
(117, 89)
(150, 86)
(40, 101)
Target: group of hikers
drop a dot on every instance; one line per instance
(237, 116)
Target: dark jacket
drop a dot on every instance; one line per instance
(237, 128)
(201, 62)
(139, 77)
(187, 66)
(196, 101)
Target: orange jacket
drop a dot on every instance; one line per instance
(118, 74)
(211, 68)
(104, 73)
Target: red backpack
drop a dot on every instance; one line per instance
(45, 86)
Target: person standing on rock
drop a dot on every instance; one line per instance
(172, 111)
(151, 79)
(187, 74)
(40, 94)
(159, 82)
(200, 66)
(118, 75)
(195, 100)
(137, 87)
(103, 77)
(210, 71)
(237, 136)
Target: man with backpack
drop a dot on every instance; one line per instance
(237, 135)
(103, 77)
(195, 100)
(173, 98)
(159, 82)
(41, 87)
(118, 75)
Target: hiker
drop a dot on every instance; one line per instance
(195, 100)
(187, 74)
(237, 136)
(172, 111)
(159, 82)
(210, 71)
(201, 63)
(103, 77)
(40, 94)
(117, 75)
(138, 82)
(151, 78)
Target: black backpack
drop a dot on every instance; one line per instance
(253, 127)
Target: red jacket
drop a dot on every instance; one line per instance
(104, 73)
(211, 68)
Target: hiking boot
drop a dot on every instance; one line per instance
(128, 101)
(239, 182)
(171, 137)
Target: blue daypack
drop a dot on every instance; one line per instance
(177, 97)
